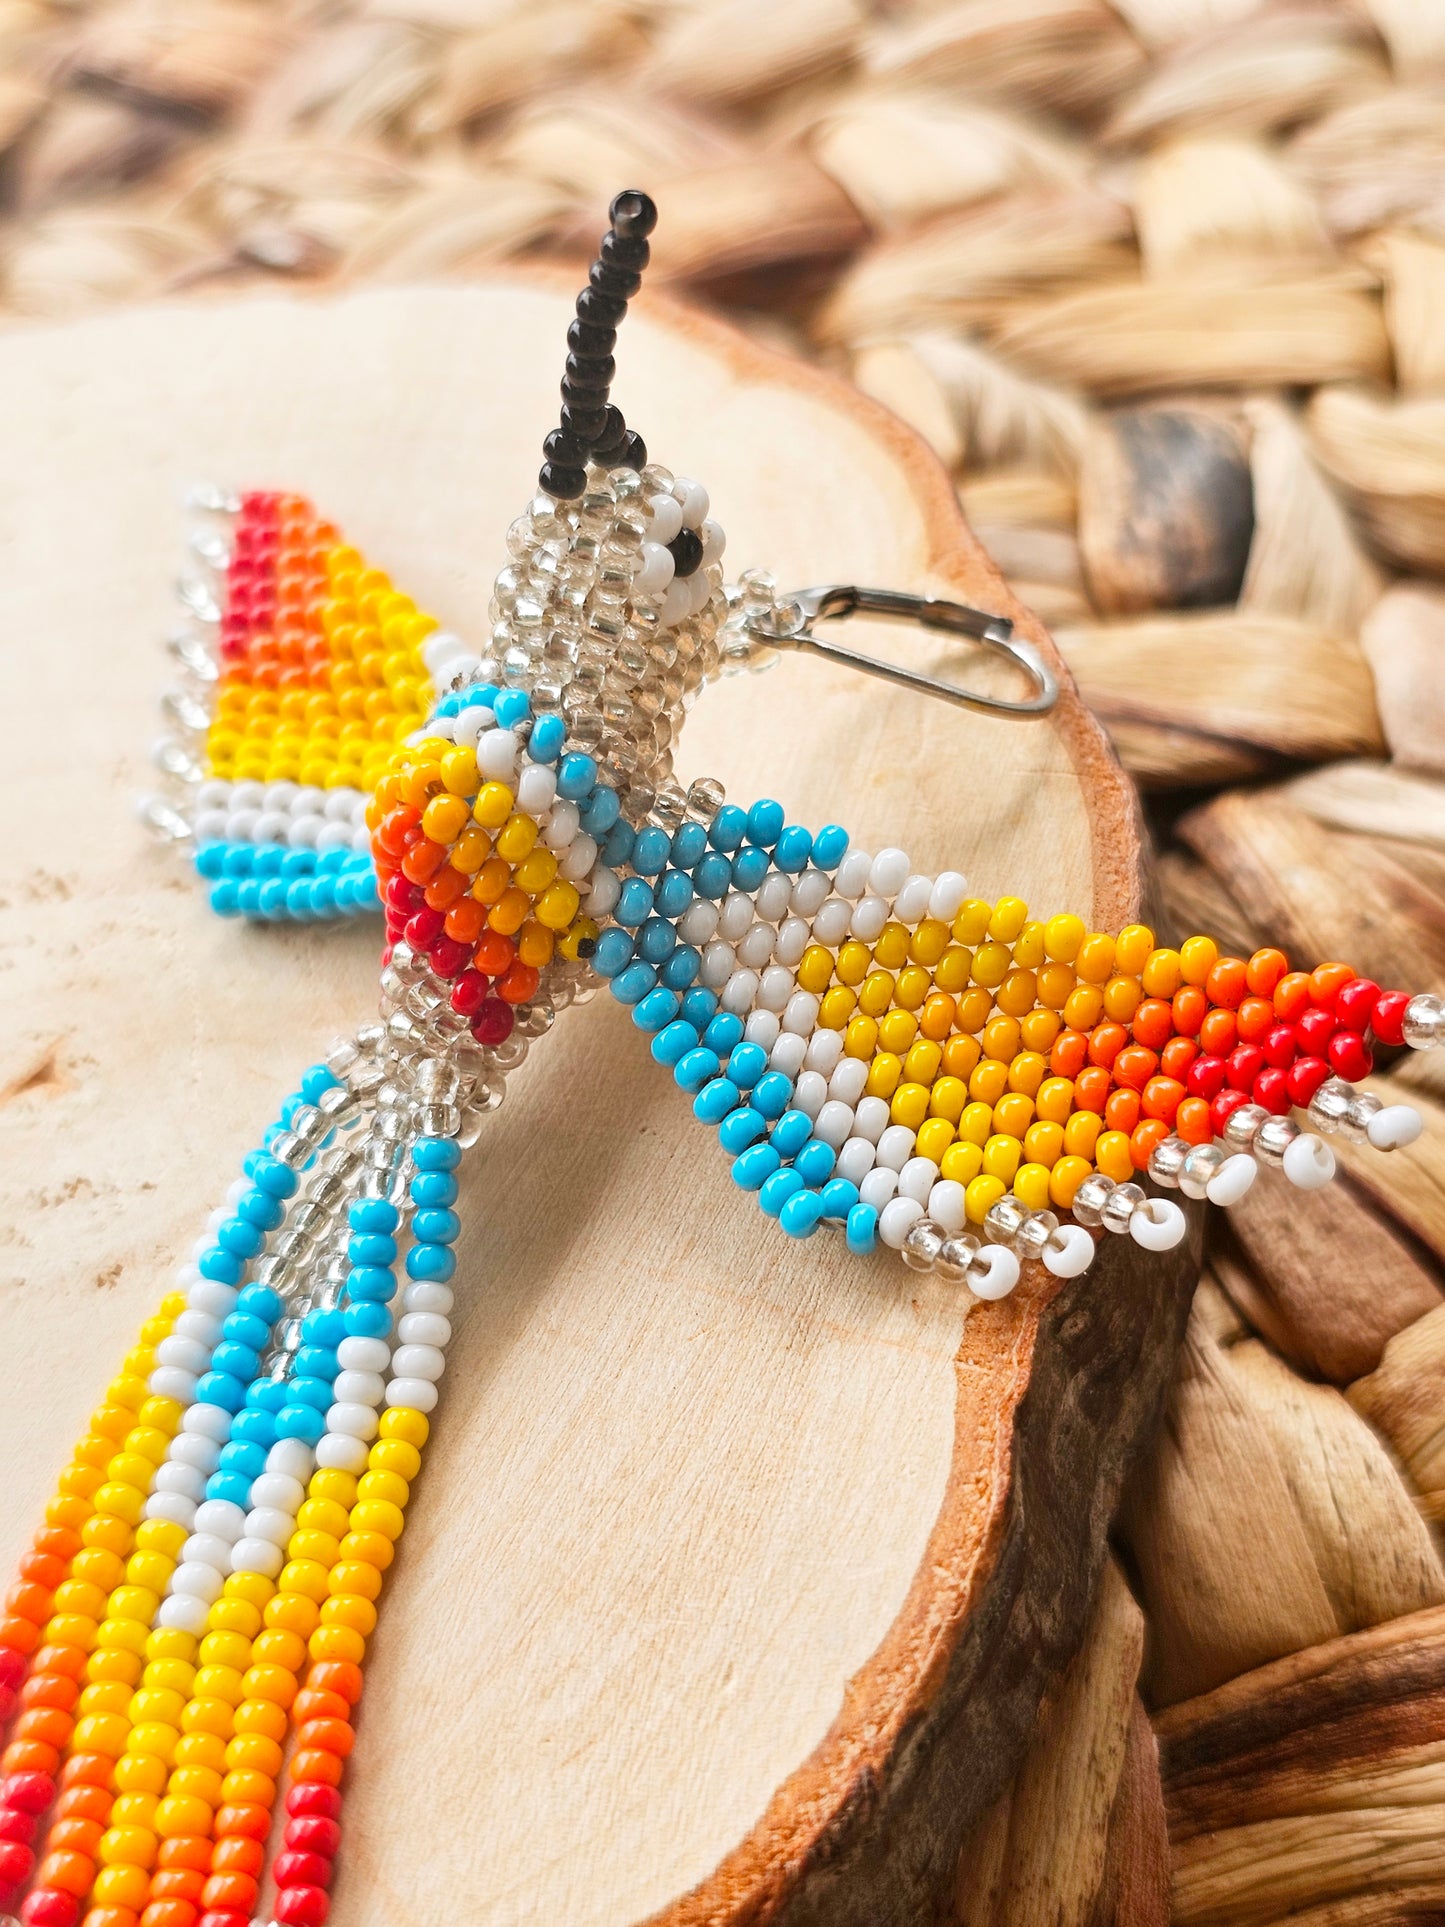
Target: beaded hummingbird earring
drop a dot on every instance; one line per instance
(879, 1053)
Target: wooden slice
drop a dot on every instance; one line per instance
(739, 1566)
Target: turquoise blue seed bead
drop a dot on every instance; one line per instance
(366, 1320)
(241, 1236)
(728, 828)
(800, 1214)
(510, 706)
(673, 894)
(738, 1130)
(435, 1263)
(672, 1043)
(712, 878)
(830, 846)
(681, 967)
(252, 1430)
(750, 866)
(431, 1187)
(617, 849)
(839, 1197)
(777, 1189)
(316, 1081)
(261, 1302)
(300, 1422)
(601, 812)
(755, 1166)
(656, 1010)
(634, 903)
(269, 1396)
(240, 1328)
(816, 1160)
(219, 1388)
(576, 776)
(320, 1327)
(222, 1267)
(765, 822)
(689, 842)
(209, 858)
(794, 847)
(234, 1487)
(630, 986)
(651, 850)
(656, 941)
(436, 1154)
(549, 733)
(747, 1064)
(436, 1226)
(225, 898)
(772, 1095)
(792, 1130)
(371, 1248)
(373, 1214)
(372, 1282)
(696, 1068)
(862, 1229)
(270, 1174)
(613, 953)
(316, 1362)
(241, 1361)
(258, 1207)
(699, 1007)
(715, 1100)
(724, 1032)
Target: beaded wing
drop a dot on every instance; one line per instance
(880, 1054)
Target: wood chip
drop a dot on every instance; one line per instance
(1209, 206)
(1374, 799)
(1187, 697)
(1404, 1398)
(1306, 560)
(1389, 458)
(1132, 336)
(1404, 642)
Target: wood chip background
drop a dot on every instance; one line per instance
(1163, 282)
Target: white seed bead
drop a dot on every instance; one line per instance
(917, 1179)
(871, 1114)
(713, 543)
(950, 887)
(811, 890)
(833, 1124)
(698, 923)
(603, 889)
(856, 1159)
(755, 946)
(174, 1507)
(825, 1047)
(579, 858)
(676, 602)
(562, 825)
(363, 1354)
(188, 1480)
(895, 1144)
(851, 877)
(1232, 1179)
(1069, 1251)
(658, 568)
(191, 1448)
(735, 915)
(209, 1295)
(536, 788)
(428, 1294)
(1157, 1224)
(910, 906)
(830, 924)
(771, 899)
(277, 1489)
(209, 1420)
(199, 1581)
(1308, 1162)
(424, 1328)
(762, 1028)
(418, 1361)
(946, 1205)
(694, 499)
(270, 1522)
(353, 1421)
(993, 1273)
(788, 1053)
(800, 1013)
(775, 987)
(665, 524)
(358, 1388)
(417, 1393)
(897, 1219)
(340, 1452)
(497, 755)
(467, 727)
(186, 1354)
(849, 1080)
(878, 1186)
(810, 1092)
(739, 991)
(222, 1518)
(291, 1456)
(169, 1381)
(791, 940)
(207, 1549)
(717, 965)
(257, 1555)
(184, 1614)
(870, 913)
(197, 1325)
(888, 872)
(1394, 1126)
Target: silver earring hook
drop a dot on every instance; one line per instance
(790, 626)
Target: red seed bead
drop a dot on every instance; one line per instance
(403, 895)
(312, 1833)
(469, 993)
(12, 1667)
(493, 1022)
(1350, 1056)
(424, 926)
(313, 1798)
(1355, 1003)
(302, 1870)
(15, 1825)
(225, 1917)
(1244, 1065)
(1205, 1076)
(1279, 1047)
(1388, 1018)
(1224, 1107)
(1271, 1089)
(48, 1907)
(16, 1863)
(448, 957)
(31, 1792)
(303, 1906)
(1314, 1029)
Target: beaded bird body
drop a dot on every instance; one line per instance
(880, 1054)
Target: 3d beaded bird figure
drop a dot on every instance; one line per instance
(879, 1053)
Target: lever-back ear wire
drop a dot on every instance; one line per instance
(592, 427)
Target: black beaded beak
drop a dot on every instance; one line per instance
(592, 428)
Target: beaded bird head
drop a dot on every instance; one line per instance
(877, 1049)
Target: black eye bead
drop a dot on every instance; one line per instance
(624, 251)
(623, 282)
(583, 424)
(584, 339)
(590, 371)
(608, 446)
(634, 452)
(633, 212)
(562, 484)
(685, 548)
(564, 450)
(599, 309)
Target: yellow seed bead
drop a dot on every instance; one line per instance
(322, 1515)
(1017, 994)
(1001, 1156)
(321, 1546)
(1111, 1155)
(876, 995)
(558, 905)
(1031, 1186)
(961, 1162)
(182, 1814)
(402, 1422)
(444, 818)
(923, 1061)
(376, 1515)
(106, 1696)
(1081, 1134)
(196, 1782)
(1044, 1143)
(815, 969)
(1065, 1178)
(1163, 973)
(929, 942)
(516, 837)
(975, 1007)
(935, 1135)
(1009, 916)
(329, 1482)
(494, 879)
(1039, 1029)
(912, 987)
(1054, 1099)
(861, 1037)
(256, 1716)
(1122, 997)
(154, 1737)
(1029, 945)
(157, 1703)
(535, 944)
(854, 960)
(173, 1673)
(580, 940)
(890, 952)
(975, 1123)
(150, 1569)
(1084, 1007)
(990, 964)
(953, 969)
(135, 1810)
(395, 1455)
(1197, 957)
(836, 1008)
(988, 1081)
(1062, 937)
(350, 1610)
(460, 772)
(122, 1886)
(982, 1194)
(278, 1647)
(293, 1612)
(510, 912)
(493, 805)
(970, 924)
(535, 872)
(1027, 1071)
(1095, 961)
(471, 850)
(127, 1847)
(383, 1485)
(208, 1716)
(1001, 1038)
(947, 1098)
(910, 1105)
(883, 1074)
(897, 1030)
(1132, 948)
(1013, 1114)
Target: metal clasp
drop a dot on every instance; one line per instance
(795, 616)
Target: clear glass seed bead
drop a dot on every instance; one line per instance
(1274, 1138)
(1091, 1197)
(922, 1246)
(1166, 1160)
(1199, 1167)
(1120, 1206)
(1424, 1026)
(1005, 1219)
(955, 1255)
(1035, 1233)
(1242, 1126)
